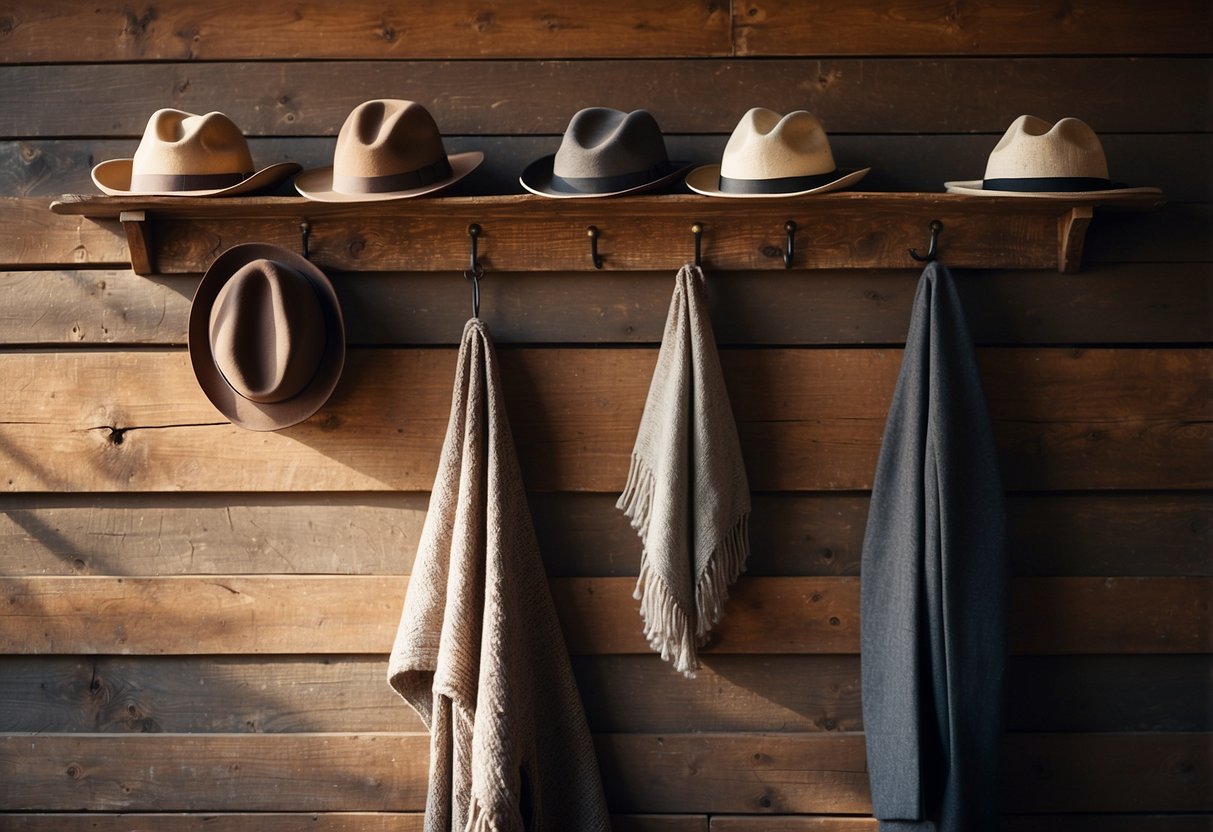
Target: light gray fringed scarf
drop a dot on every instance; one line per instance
(687, 494)
(479, 652)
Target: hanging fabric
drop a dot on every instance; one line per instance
(933, 585)
(479, 653)
(687, 495)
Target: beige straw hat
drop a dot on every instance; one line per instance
(1037, 159)
(769, 155)
(182, 154)
(387, 149)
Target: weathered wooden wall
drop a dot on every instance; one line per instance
(194, 619)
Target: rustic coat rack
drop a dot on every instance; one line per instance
(847, 230)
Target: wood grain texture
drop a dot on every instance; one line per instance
(472, 98)
(285, 822)
(681, 773)
(347, 614)
(1010, 823)
(220, 30)
(580, 534)
(808, 420)
(1014, 27)
(1117, 304)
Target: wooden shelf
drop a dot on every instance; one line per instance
(847, 230)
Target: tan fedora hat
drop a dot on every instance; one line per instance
(266, 336)
(183, 154)
(604, 152)
(387, 149)
(1037, 159)
(769, 155)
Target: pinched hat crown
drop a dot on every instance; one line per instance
(609, 150)
(180, 151)
(388, 145)
(765, 145)
(1067, 154)
(267, 331)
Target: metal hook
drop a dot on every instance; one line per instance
(935, 226)
(789, 250)
(305, 231)
(475, 271)
(592, 232)
(697, 230)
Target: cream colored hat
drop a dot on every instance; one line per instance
(770, 155)
(387, 149)
(182, 154)
(1038, 159)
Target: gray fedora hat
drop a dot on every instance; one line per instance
(604, 152)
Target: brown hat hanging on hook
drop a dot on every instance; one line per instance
(266, 336)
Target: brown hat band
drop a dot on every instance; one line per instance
(186, 181)
(419, 178)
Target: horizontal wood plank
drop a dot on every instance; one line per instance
(621, 694)
(1114, 304)
(678, 773)
(389, 821)
(1010, 823)
(580, 534)
(808, 420)
(341, 614)
(218, 30)
(849, 95)
(1013, 27)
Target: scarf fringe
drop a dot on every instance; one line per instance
(667, 626)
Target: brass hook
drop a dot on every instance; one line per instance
(595, 257)
(697, 230)
(935, 226)
(305, 231)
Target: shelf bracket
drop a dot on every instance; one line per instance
(1071, 234)
(139, 241)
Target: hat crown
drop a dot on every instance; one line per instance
(179, 143)
(267, 331)
(1032, 147)
(766, 145)
(601, 142)
(386, 137)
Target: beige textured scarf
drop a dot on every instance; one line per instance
(479, 653)
(687, 494)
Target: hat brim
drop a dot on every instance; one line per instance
(706, 180)
(245, 413)
(317, 185)
(113, 177)
(975, 187)
(538, 178)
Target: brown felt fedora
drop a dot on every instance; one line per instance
(387, 149)
(604, 152)
(182, 154)
(1037, 159)
(266, 336)
(773, 155)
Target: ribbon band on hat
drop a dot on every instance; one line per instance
(610, 184)
(408, 180)
(1029, 184)
(145, 182)
(781, 185)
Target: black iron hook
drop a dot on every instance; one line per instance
(932, 251)
(789, 251)
(475, 271)
(595, 257)
(697, 230)
(305, 231)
